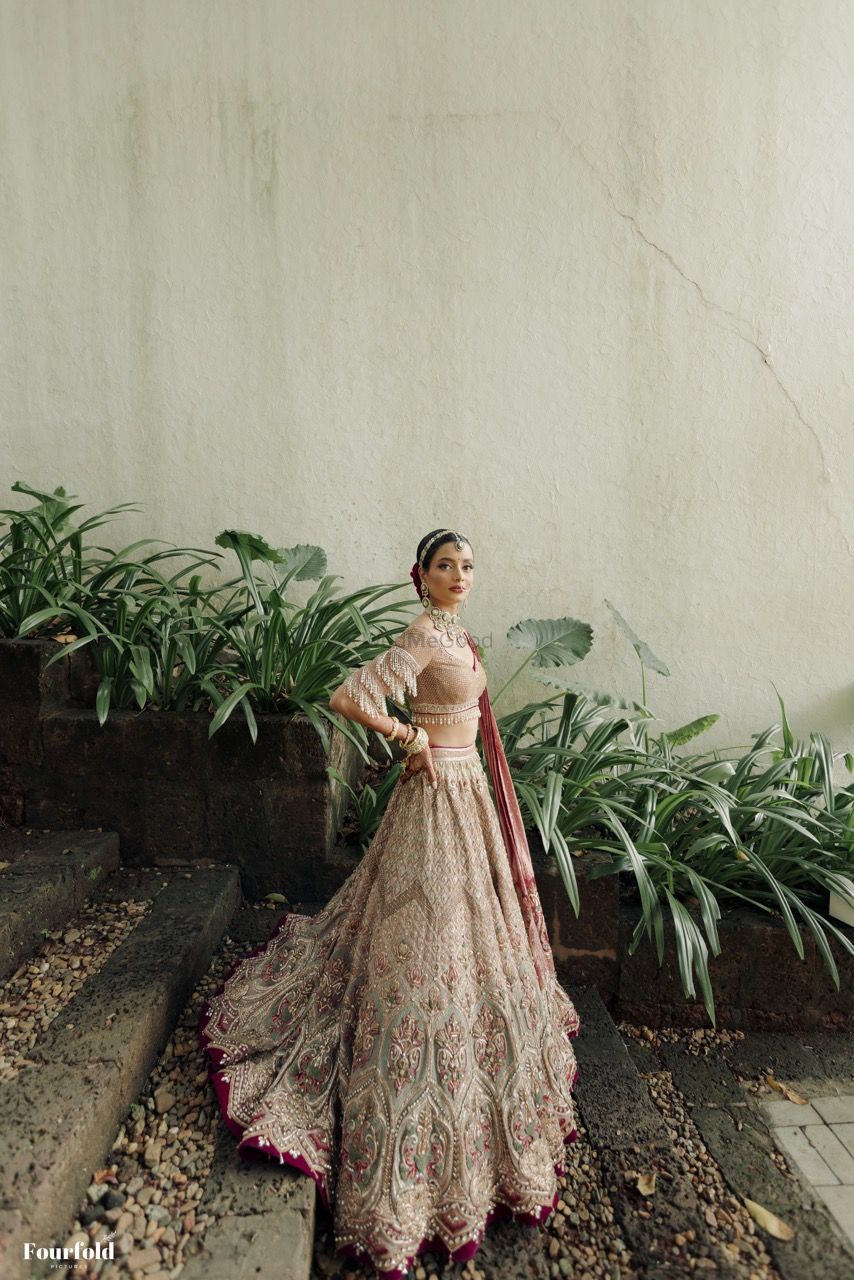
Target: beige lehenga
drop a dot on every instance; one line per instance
(402, 1047)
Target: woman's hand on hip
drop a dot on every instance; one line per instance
(420, 761)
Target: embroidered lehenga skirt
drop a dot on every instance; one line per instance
(397, 1046)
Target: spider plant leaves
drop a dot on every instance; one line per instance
(368, 802)
(692, 954)
(238, 697)
(102, 698)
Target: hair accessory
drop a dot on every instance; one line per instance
(459, 543)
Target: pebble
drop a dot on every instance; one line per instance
(163, 1153)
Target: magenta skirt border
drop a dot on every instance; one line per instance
(252, 1148)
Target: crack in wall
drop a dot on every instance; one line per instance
(741, 325)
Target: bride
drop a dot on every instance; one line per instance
(409, 1047)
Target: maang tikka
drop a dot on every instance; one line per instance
(443, 620)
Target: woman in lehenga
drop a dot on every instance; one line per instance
(409, 1047)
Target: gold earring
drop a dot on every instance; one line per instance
(425, 595)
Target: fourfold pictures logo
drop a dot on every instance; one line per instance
(59, 1253)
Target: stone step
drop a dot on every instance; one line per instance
(629, 1136)
(60, 1115)
(264, 1216)
(263, 1211)
(51, 875)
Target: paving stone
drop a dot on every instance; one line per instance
(840, 1202)
(264, 1215)
(835, 1108)
(259, 1246)
(832, 1151)
(845, 1134)
(780, 1112)
(795, 1143)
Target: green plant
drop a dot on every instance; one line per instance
(369, 802)
(160, 638)
(42, 557)
(695, 831)
(289, 657)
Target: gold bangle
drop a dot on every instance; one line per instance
(389, 737)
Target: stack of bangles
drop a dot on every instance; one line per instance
(416, 738)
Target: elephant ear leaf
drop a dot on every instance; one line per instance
(643, 650)
(303, 562)
(248, 546)
(556, 642)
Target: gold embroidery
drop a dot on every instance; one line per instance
(398, 1044)
(442, 713)
(439, 688)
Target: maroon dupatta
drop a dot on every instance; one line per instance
(512, 826)
(515, 840)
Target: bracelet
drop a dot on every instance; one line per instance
(389, 737)
(418, 743)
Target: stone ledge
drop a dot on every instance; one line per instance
(60, 1116)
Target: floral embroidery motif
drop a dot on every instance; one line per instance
(525, 1126)
(405, 1050)
(393, 994)
(483, 969)
(451, 977)
(451, 1057)
(423, 1150)
(528, 1002)
(311, 1075)
(366, 1035)
(333, 982)
(478, 1139)
(360, 1146)
(399, 1042)
(490, 1041)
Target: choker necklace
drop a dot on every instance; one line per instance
(447, 622)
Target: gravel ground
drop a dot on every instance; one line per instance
(40, 988)
(147, 1194)
(734, 1228)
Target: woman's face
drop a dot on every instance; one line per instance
(450, 568)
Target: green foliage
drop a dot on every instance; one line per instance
(696, 832)
(160, 638)
(765, 827)
(369, 803)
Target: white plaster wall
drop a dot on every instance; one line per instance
(572, 275)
